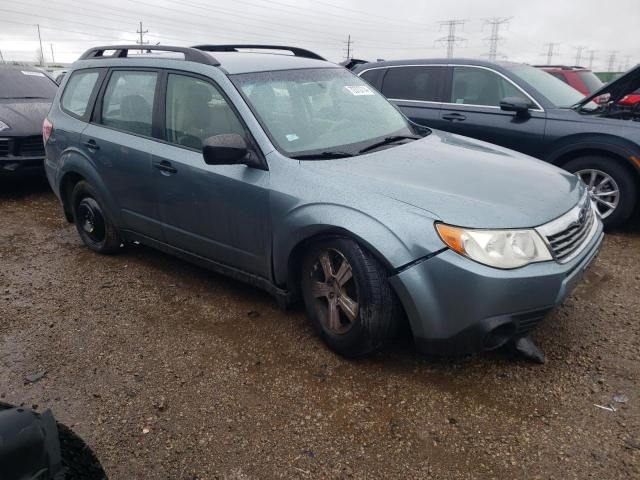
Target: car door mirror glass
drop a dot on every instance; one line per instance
(515, 104)
(226, 149)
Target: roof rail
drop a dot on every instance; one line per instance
(298, 52)
(122, 51)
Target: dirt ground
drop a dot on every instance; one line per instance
(171, 372)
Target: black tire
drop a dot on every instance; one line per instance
(623, 177)
(376, 319)
(78, 459)
(92, 221)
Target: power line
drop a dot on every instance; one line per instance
(494, 39)
(579, 50)
(550, 51)
(451, 40)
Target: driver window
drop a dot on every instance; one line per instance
(478, 86)
(196, 110)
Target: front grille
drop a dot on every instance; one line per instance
(30, 146)
(567, 235)
(4, 147)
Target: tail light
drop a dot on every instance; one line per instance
(47, 128)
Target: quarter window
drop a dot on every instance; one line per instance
(478, 86)
(195, 111)
(128, 102)
(78, 91)
(413, 83)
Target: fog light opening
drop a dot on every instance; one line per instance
(500, 335)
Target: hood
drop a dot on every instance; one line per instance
(460, 181)
(617, 89)
(24, 117)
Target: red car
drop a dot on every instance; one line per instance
(631, 99)
(582, 79)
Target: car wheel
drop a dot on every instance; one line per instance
(611, 187)
(93, 224)
(348, 297)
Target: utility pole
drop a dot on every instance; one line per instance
(1, 57)
(41, 50)
(612, 60)
(142, 41)
(592, 57)
(494, 39)
(451, 40)
(579, 50)
(349, 50)
(53, 59)
(550, 51)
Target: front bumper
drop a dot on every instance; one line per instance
(21, 165)
(456, 306)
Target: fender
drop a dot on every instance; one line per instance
(393, 245)
(74, 162)
(606, 143)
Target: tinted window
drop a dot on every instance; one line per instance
(373, 76)
(197, 110)
(25, 82)
(478, 86)
(128, 102)
(413, 83)
(75, 98)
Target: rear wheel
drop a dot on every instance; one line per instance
(91, 220)
(611, 186)
(348, 297)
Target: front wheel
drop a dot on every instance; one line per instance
(611, 186)
(348, 297)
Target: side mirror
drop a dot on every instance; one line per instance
(227, 149)
(515, 104)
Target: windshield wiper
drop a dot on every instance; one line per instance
(323, 155)
(388, 141)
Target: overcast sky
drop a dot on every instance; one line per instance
(379, 28)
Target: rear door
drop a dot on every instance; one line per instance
(416, 90)
(119, 141)
(473, 110)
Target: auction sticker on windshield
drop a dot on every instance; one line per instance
(359, 90)
(32, 74)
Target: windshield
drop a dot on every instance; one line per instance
(327, 110)
(23, 82)
(556, 91)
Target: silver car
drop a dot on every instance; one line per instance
(291, 173)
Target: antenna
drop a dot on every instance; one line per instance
(451, 40)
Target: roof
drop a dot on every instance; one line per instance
(246, 62)
(434, 61)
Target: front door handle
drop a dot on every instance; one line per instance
(165, 167)
(454, 117)
(91, 144)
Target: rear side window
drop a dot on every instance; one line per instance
(413, 83)
(75, 99)
(127, 104)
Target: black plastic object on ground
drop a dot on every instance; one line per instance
(34, 447)
(525, 347)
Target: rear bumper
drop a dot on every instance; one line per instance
(456, 306)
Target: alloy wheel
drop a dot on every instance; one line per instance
(602, 188)
(335, 291)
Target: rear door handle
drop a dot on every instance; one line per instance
(91, 145)
(454, 117)
(165, 167)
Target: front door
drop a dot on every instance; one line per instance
(218, 212)
(474, 110)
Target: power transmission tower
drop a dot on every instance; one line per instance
(451, 39)
(494, 39)
(142, 41)
(612, 60)
(579, 50)
(592, 57)
(41, 50)
(349, 49)
(550, 51)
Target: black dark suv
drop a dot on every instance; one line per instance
(523, 108)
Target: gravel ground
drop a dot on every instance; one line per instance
(171, 372)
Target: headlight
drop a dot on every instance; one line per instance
(496, 248)
(3, 126)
